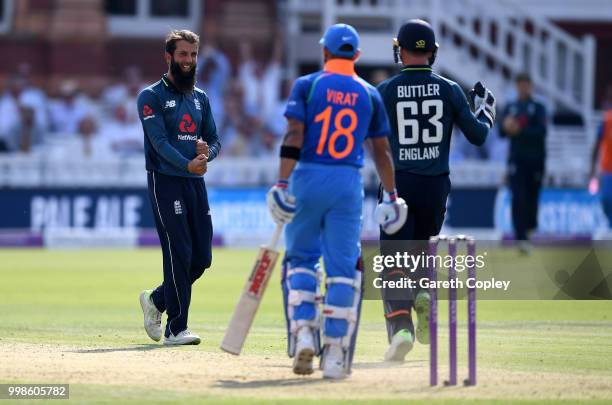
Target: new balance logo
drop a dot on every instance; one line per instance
(178, 210)
(170, 104)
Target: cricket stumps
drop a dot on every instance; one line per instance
(452, 243)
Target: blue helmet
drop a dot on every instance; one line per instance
(341, 40)
(416, 35)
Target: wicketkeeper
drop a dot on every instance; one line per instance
(423, 108)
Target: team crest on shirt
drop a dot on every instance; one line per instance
(178, 210)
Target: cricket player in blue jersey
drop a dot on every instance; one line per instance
(423, 108)
(319, 194)
(180, 139)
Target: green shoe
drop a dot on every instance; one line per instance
(421, 306)
(401, 343)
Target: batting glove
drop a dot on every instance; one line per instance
(280, 203)
(391, 213)
(482, 102)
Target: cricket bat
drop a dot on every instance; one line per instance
(253, 291)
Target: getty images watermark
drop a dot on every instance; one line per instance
(406, 262)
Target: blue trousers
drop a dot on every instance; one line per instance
(327, 223)
(183, 222)
(606, 195)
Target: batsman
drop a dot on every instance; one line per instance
(319, 195)
(423, 107)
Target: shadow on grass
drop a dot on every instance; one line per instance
(134, 348)
(284, 382)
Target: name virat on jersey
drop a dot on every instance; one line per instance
(341, 98)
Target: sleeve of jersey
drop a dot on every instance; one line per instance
(209, 131)
(475, 131)
(379, 126)
(149, 111)
(296, 105)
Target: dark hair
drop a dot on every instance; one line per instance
(523, 77)
(178, 35)
(343, 48)
(418, 52)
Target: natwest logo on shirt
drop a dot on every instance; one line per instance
(147, 112)
(187, 124)
(187, 137)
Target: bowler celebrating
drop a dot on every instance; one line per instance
(180, 139)
(423, 107)
(330, 114)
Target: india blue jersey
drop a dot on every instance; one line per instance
(339, 111)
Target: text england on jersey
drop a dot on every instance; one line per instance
(431, 152)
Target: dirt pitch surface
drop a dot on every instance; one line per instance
(193, 371)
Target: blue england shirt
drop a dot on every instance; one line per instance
(172, 122)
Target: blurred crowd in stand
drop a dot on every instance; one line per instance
(247, 98)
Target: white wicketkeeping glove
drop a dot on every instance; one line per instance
(391, 213)
(280, 203)
(483, 103)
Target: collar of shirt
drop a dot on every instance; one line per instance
(525, 101)
(170, 85)
(340, 66)
(416, 68)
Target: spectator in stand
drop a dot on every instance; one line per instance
(261, 82)
(271, 134)
(125, 91)
(213, 74)
(123, 131)
(87, 145)
(266, 144)
(236, 125)
(379, 76)
(524, 122)
(20, 130)
(69, 110)
(34, 97)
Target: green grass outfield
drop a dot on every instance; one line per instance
(84, 304)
